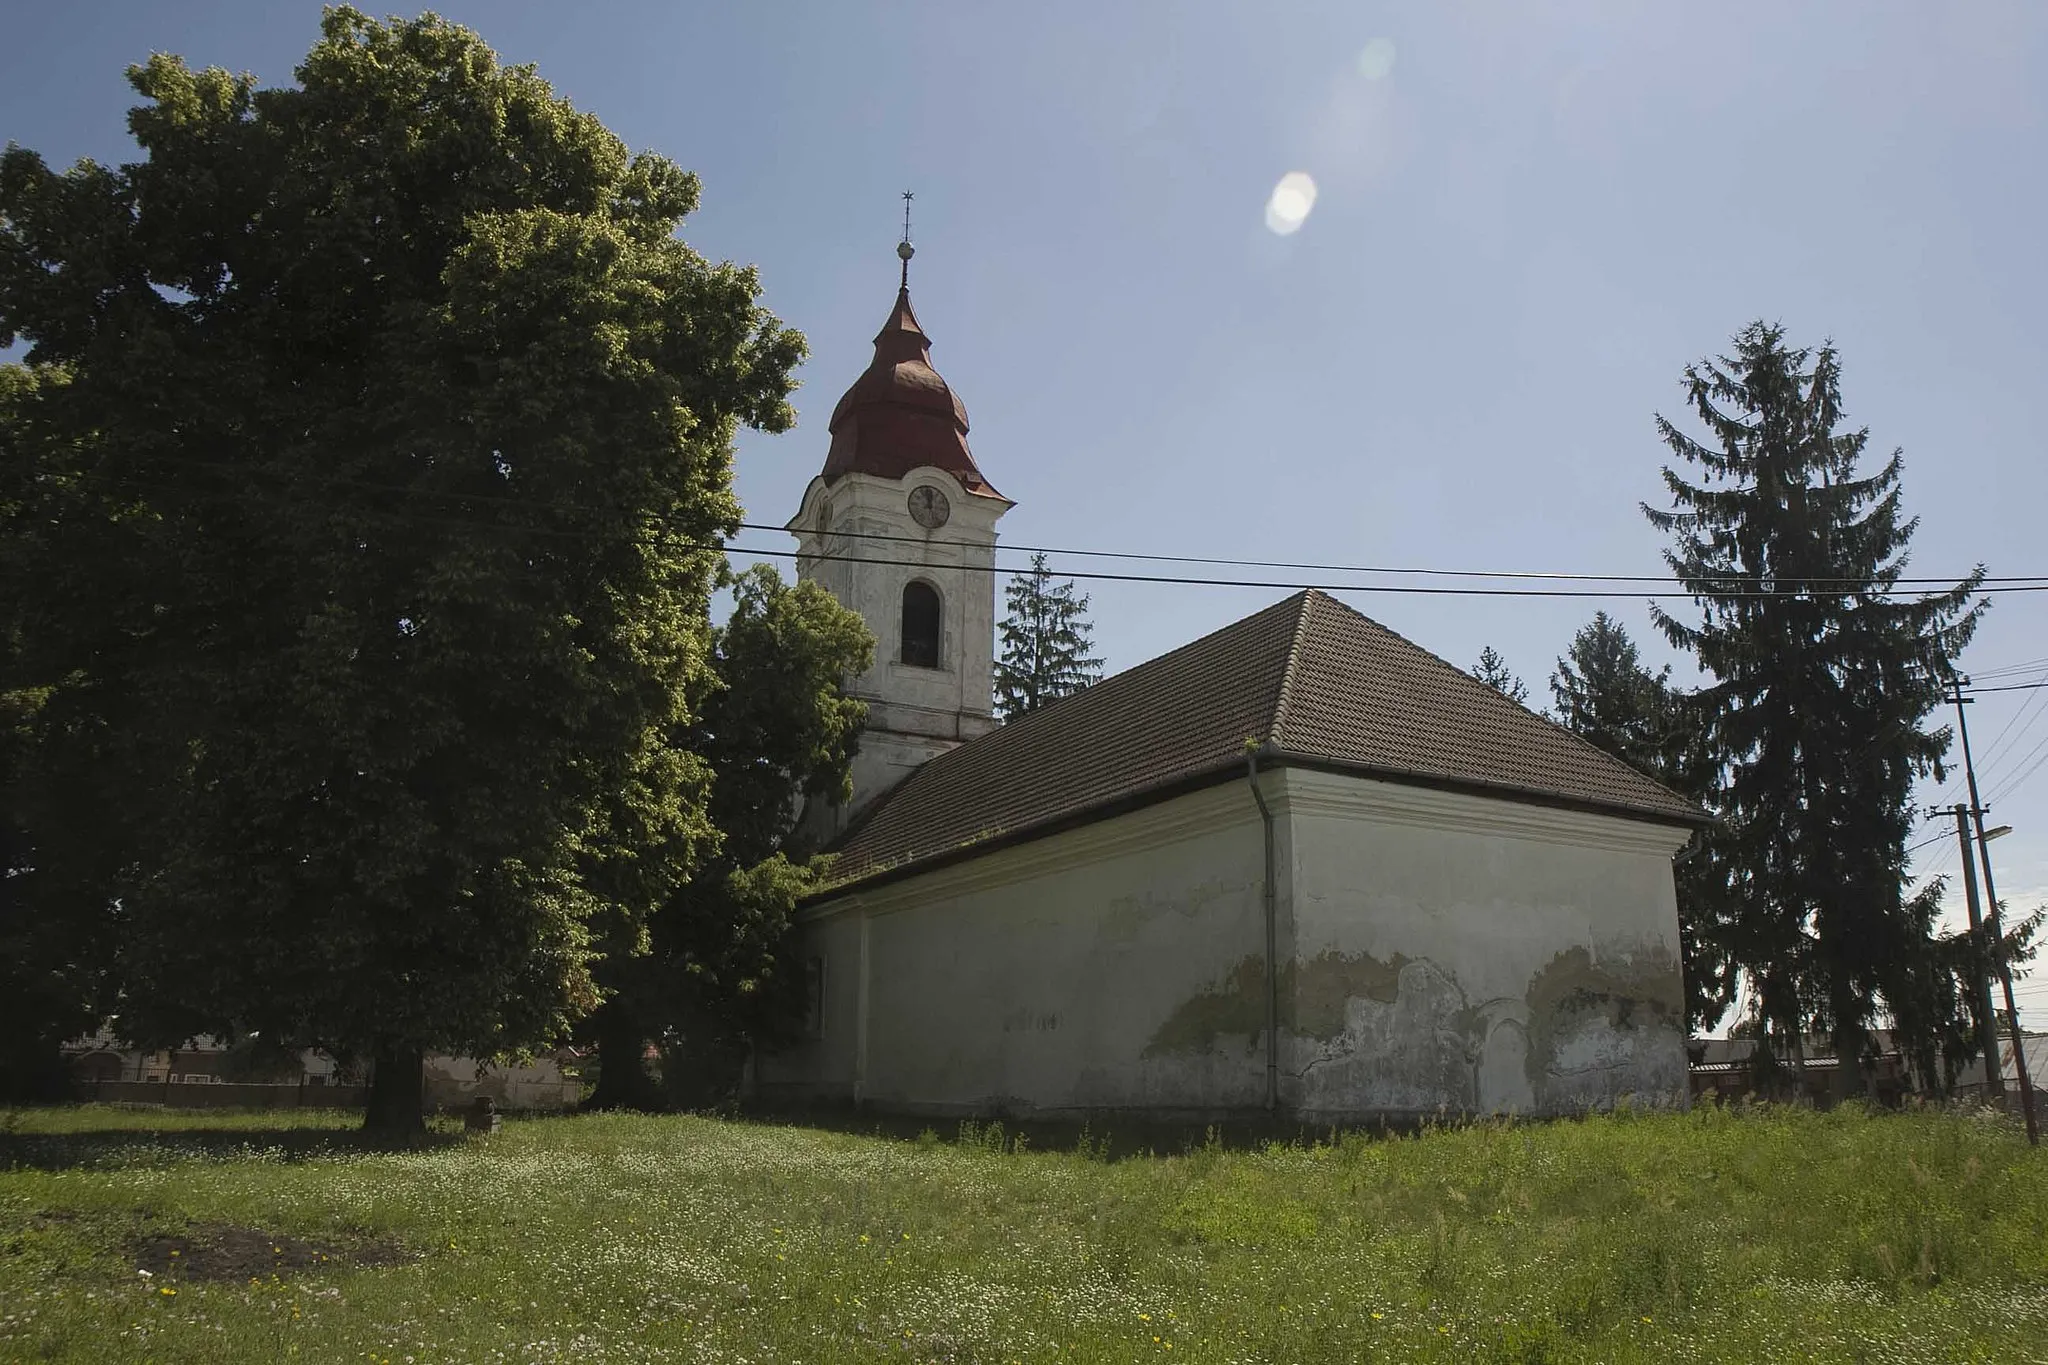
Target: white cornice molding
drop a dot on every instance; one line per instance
(1309, 791)
(1191, 816)
(1292, 792)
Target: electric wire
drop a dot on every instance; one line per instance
(2000, 583)
(1992, 754)
(1995, 758)
(2027, 666)
(1317, 567)
(2036, 756)
(2009, 687)
(1093, 575)
(2032, 704)
(1935, 839)
(2033, 760)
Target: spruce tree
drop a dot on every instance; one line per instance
(1604, 694)
(1824, 675)
(1046, 639)
(1493, 670)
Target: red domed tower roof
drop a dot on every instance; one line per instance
(900, 414)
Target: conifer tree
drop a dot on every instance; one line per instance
(1493, 670)
(1046, 639)
(1604, 694)
(1824, 675)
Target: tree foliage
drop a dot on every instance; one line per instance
(1046, 639)
(382, 430)
(707, 975)
(1602, 691)
(1823, 677)
(1493, 670)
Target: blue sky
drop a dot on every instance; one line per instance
(1529, 219)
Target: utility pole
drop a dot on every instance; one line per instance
(1980, 987)
(2012, 1011)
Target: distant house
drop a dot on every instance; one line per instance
(2035, 1053)
(1734, 1068)
(102, 1067)
(1731, 1068)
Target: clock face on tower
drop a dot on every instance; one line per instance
(928, 507)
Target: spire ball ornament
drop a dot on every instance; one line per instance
(904, 250)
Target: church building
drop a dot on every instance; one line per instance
(1299, 868)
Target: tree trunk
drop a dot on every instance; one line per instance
(703, 1064)
(622, 1078)
(397, 1102)
(1849, 1080)
(32, 1071)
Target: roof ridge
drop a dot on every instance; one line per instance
(1143, 665)
(1018, 729)
(1531, 712)
(1293, 668)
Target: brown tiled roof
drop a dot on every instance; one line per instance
(1308, 677)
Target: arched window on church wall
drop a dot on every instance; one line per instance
(921, 625)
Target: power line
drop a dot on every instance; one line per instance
(2011, 582)
(1403, 589)
(2030, 579)
(1943, 837)
(2031, 711)
(2009, 687)
(2029, 666)
(2012, 785)
(1398, 588)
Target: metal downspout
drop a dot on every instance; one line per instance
(1251, 768)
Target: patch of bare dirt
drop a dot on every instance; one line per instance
(223, 1251)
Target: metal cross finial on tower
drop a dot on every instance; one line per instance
(904, 250)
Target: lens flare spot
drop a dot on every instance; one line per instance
(1288, 207)
(1376, 61)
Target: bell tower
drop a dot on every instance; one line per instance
(900, 526)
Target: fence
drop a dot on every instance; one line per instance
(181, 1095)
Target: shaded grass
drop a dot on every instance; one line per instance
(1714, 1236)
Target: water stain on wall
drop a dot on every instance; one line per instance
(1313, 998)
(1604, 1025)
(1126, 916)
(1371, 1033)
(1233, 1006)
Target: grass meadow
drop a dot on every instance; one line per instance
(1721, 1235)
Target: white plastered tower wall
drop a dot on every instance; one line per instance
(857, 539)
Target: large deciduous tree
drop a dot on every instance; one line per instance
(1046, 639)
(412, 421)
(708, 977)
(1824, 672)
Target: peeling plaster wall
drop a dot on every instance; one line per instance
(1029, 981)
(1440, 953)
(1465, 954)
